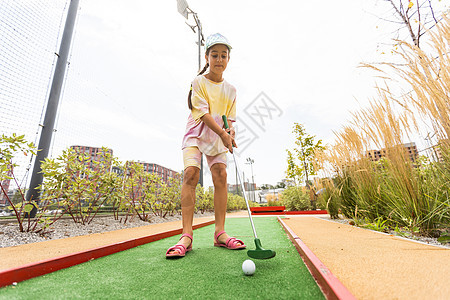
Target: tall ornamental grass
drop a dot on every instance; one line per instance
(400, 191)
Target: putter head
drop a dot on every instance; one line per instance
(260, 252)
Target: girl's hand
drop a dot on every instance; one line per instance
(228, 140)
(231, 132)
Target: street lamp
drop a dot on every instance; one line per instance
(250, 162)
(184, 10)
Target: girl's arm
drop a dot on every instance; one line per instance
(227, 139)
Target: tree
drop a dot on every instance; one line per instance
(293, 171)
(266, 186)
(280, 185)
(301, 160)
(416, 16)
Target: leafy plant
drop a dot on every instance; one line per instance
(9, 147)
(144, 193)
(79, 183)
(329, 198)
(140, 191)
(378, 225)
(116, 196)
(399, 231)
(300, 161)
(171, 196)
(236, 202)
(165, 197)
(295, 199)
(444, 238)
(273, 201)
(204, 199)
(408, 190)
(23, 210)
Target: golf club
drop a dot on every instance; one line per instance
(259, 252)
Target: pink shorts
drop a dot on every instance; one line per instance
(192, 158)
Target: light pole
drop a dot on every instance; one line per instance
(52, 103)
(250, 162)
(184, 10)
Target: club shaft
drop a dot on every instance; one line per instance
(245, 197)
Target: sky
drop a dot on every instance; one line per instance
(292, 61)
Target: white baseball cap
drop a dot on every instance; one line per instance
(215, 39)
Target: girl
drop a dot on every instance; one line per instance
(210, 97)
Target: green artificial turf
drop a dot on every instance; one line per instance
(207, 272)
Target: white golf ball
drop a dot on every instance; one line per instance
(248, 267)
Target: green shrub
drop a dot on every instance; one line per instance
(273, 201)
(172, 196)
(79, 184)
(236, 202)
(294, 199)
(397, 192)
(329, 199)
(204, 199)
(22, 209)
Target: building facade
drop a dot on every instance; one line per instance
(409, 148)
(94, 153)
(440, 148)
(248, 186)
(163, 172)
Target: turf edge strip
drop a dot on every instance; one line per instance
(299, 212)
(40, 268)
(331, 287)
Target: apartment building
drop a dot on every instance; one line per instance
(233, 188)
(438, 149)
(409, 148)
(164, 172)
(94, 152)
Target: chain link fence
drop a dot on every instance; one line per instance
(30, 31)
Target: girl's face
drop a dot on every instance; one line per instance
(217, 57)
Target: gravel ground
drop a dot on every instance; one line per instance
(407, 235)
(11, 236)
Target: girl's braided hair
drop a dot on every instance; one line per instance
(190, 91)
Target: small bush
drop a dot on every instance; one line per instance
(273, 201)
(80, 184)
(204, 199)
(236, 202)
(328, 198)
(294, 198)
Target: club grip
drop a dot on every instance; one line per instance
(225, 121)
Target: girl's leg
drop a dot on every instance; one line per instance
(219, 176)
(190, 180)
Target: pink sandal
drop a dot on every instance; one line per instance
(231, 242)
(180, 248)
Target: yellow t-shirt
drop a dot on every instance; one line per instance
(217, 99)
